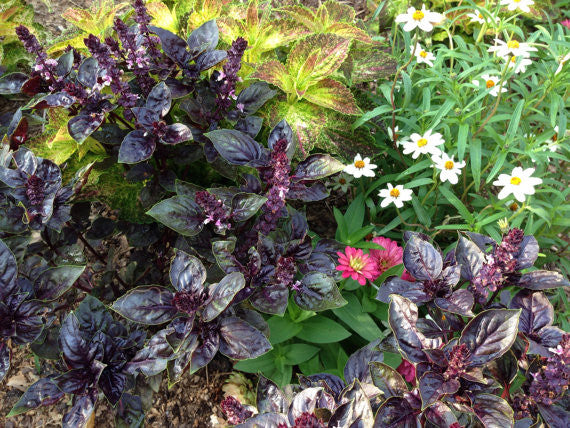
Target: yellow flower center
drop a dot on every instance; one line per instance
(423, 54)
(356, 263)
(480, 16)
(422, 142)
(517, 1)
(515, 181)
(513, 44)
(394, 193)
(449, 164)
(359, 164)
(418, 15)
(513, 59)
(490, 84)
(514, 206)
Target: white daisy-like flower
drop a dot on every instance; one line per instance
(518, 66)
(518, 4)
(396, 195)
(342, 182)
(420, 18)
(477, 16)
(423, 144)
(360, 167)
(491, 82)
(450, 169)
(519, 182)
(563, 60)
(422, 56)
(512, 47)
(553, 143)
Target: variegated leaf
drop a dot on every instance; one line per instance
(275, 73)
(349, 31)
(334, 95)
(339, 12)
(301, 14)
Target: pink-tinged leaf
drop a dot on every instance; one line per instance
(339, 12)
(252, 19)
(275, 73)
(334, 95)
(301, 15)
(322, 16)
(333, 50)
(81, 18)
(278, 33)
(349, 31)
(367, 65)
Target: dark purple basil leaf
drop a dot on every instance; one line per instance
(137, 146)
(32, 86)
(317, 166)
(460, 302)
(79, 414)
(151, 305)
(331, 383)
(5, 356)
(542, 280)
(152, 359)
(195, 111)
(440, 415)
(403, 316)
(204, 38)
(76, 381)
(159, 99)
(250, 125)
(550, 336)
(177, 133)
(504, 369)
(413, 291)
(252, 98)
(537, 311)
(299, 191)
(306, 401)
(145, 116)
(8, 271)
(271, 299)
(112, 384)
(396, 412)
(11, 178)
(59, 99)
(11, 83)
(387, 380)
(180, 213)
(238, 148)
(28, 320)
(490, 334)
(433, 385)
(470, 257)
(44, 392)
(246, 205)
(204, 352)
(422, 260)
(82, 126)
(240, 341)
(356, 412)
(221, 295)
(358, 364)
(319, 262)
(482, 241)
(52, 283)
(265, 420)
(318, 292)
(74, 348)
(223, 252)
(210, 59)
(172, 45)
(493, 411)
(87, 73)
(269, 397)
(555, 416)
(64, 64)
(187, 273)
(528, 253)
(130, 413)
(253, 318)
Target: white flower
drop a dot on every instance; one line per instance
(396, 195)
(518, 4)
(422, 56)
(448, 167)
(423, 19)
(360, 167)
(477, 16)
(393, 135)
(519, 182)
(341, 182)
(490, 83)
(521, 66)
(423, 144)
(512, 47)
(561, 64)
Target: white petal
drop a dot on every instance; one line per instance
(385, 203)
(398, 203)
(506, 191)
(410, 25)
(425, 25)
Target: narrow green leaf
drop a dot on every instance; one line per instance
(456, 202)
(462, 140)
(356, 319)
(475, 156)
(497, 167)
(443, 110)
(514, 122)
(320, 329)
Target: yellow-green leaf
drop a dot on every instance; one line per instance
(275, 73)
(334, 95)
(349, 31)
(162, 16)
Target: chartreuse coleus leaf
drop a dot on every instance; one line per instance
(331, 17)
(198, 11)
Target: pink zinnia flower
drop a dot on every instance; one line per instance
(566, 23)
(391, 256)
(357, 265)
(408, 371)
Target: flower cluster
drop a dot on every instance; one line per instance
(44, 66)
(551, 382)
(458, 361)
(214, 210)
(499, 265)
(229, 77)
(150, 42)
(235, 412)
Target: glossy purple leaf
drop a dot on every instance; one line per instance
(80, 412)
(159, 99)
(8, 271)
(433, 386)
(413, 291)
(210, 59)
(555, 416)
(396, 412)
(221, 295)
(441, 415)
(59, 99)
(542, 280)
(11, 83)
(316, 167)
(64, 64)
(403, 316)
(318, 292)
(179, 213)
(387, 380)
(28, 321)
(250, 125)
(537, 311)
(74, 348)
(482, 241)
(313, 193)
(239, 340)
(177, 133)
(252, 98)
(145, 116)
(358, 364)
(356, 412)
(152, 359)
(246, 205)
(151, 305)
(269, 397)
(422, 260)
(187, 273)
(204, 352)
(332, 384)
(172, 45)
(490, 334)
(238, 148)
(460, 302)
(265, 420)
(204, 38)
(493, 411)
(528, 253)
(44, 392)
(306, 401)
(87, 73)
(271, 299)
(82, 126)
(5, 356)
(112, 383)
(52, 283)
(137, 146)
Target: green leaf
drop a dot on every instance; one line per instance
(342, 230)
(380, 110)
(514, 122)
(354, 215)
(359, 321)
(331, 94)
(275, 73)
(320, 329)
(462, 140)
(443, 110)
(282, 329)
(497, 167)
(297, 353)
(475, 156)
(456, 202)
